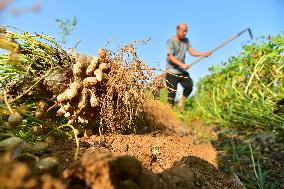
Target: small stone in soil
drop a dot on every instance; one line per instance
(10, 143)
(48, 164)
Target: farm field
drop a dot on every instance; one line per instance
(71, 120)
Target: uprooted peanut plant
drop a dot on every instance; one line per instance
(107, 91)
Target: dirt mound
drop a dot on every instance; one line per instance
(157, 152)
(161, 159)
(157, 161)
(109, 171)
(103, 169)
(160, 116)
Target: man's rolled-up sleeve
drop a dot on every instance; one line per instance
(188, 44)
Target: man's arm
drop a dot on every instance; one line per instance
(192, 52)
(174, 60)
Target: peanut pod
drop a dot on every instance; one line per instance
(92, 67)
(90, 82)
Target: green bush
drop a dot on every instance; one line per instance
(245, 89)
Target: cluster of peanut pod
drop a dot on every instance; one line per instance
(90, 74)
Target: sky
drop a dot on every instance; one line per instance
(99, 21)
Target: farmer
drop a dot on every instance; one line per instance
(176, 67)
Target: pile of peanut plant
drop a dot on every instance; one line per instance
(109, 87)
(106, 90)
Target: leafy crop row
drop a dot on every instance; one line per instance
(247, 89)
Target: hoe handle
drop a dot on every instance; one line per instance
(223, 44)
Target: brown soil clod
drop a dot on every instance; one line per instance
(103, 169)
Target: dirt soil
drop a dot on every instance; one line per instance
(165, 159)
(157, 152)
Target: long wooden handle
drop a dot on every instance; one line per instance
(222, 45)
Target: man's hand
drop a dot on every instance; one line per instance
(184, 66)
(206, 54)
(174, 60)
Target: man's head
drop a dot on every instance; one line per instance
(181, 31)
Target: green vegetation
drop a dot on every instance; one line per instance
(246, 90)
(30, 54)
(66, 27)
(28, 60)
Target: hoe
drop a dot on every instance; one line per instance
(223, 44)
